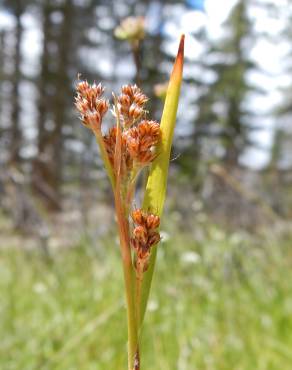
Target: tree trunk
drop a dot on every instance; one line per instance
(54, 93)
(16, 134)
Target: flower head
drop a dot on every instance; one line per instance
(131, 29)
(131, 104)
(90, 105)
(144, 236)
(141, 141)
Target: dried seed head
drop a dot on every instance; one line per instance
(144, 236)
(149, 129)
(102, 106)
(139, 98)
(125, 101)
(140, 234)
(90, 105)
(153, 238)
(143, 255)
(138, 217)
(83, 87)
(131, 105)
(110, 140)
(132, 91)
(142, 140)
(135, 112)
(92, 119)
(133, 147)
(139, 139)
(152, 221)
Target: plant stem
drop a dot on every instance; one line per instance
(131, 187)
(123, 227)
(105, 158)
(129, 281)
(139, 280)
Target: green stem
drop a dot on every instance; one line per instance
(105, 157)
(123, 226)
(145, 286)
(139, 280)
(131, 186)
(129, 282)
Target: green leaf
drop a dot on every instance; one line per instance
(156, 186)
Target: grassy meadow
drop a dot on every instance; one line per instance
(219, 302)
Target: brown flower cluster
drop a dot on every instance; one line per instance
(144, 236)
(141, 139)
(90, 104)
(139, 136)
(131, 104)
(138, 144)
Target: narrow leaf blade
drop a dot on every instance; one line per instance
(156, 186)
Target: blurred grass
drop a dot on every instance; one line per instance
(221, 302)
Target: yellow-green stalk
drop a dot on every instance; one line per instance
(155, 191)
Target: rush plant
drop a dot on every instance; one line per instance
(133, 144)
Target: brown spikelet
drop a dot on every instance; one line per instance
(149, 129)
(152, 222)
(140, 234)
(153, 238)
(90, 105)
(141, 141)
(110, 140)
(144, 236)
(138, 217)
(131, 105)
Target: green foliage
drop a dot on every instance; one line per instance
(223, 302)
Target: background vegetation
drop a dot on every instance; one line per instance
(223, 302)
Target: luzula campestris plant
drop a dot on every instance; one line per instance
(132, 144)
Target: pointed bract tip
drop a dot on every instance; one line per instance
(181, 44)
(179, 61)
(181, 48)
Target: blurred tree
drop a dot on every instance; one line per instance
(2, 78)
(67, 29)
(54, 95)
(17, 8)
(194, 159)
(281, 153)
(222, 104)
(279, 171)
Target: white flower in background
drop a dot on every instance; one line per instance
(190, 257)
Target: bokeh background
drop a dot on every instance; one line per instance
(222, 293)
